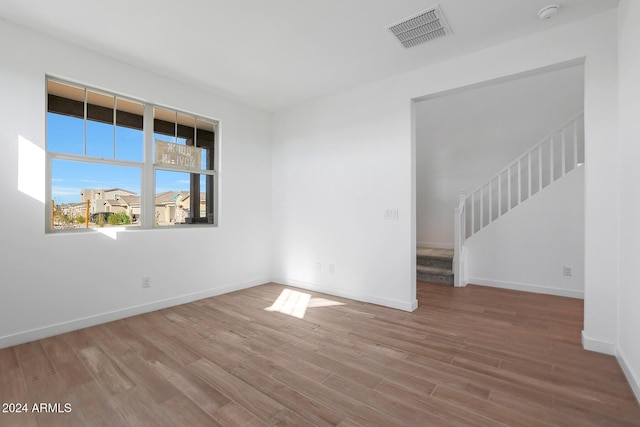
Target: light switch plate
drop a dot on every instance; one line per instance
(391, 213)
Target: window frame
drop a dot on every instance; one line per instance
(148, 168)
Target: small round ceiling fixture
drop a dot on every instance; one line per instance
(548, 12)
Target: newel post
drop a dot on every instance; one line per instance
(459, 233)
(463, 196)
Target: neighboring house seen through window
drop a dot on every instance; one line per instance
(114, 161)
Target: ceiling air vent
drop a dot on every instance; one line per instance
(421, 27)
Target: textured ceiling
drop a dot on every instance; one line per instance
(274, 54)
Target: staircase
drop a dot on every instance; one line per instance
(559, 153)
(435, 265)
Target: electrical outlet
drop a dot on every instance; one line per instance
(146, 282)
(568, 270)
(318, 267)
(332, 269)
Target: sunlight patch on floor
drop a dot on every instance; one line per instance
(296, 303)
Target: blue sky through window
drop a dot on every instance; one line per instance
(69, 178)
(65, 134)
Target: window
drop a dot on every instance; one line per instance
(115, 161)
(183, 158)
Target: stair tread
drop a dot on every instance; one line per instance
(434, 270)
(443, 254)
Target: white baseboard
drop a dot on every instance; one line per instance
(632, 377)
(85, 322)
(614, 350)
(598, 345)
(399, 305)
(526, 287)
(433, 245)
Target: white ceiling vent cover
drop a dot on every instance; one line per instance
(421, 27)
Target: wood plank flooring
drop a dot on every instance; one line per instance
(473, 356)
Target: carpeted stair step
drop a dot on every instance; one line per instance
(435, 275)
(435, 265)
(440, 258)
(435, 261)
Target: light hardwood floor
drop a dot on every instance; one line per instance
(471, 356)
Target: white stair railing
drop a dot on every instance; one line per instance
(554, 156)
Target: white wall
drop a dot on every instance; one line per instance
(49, 282)
(464, 138)
(340, 161)
(506, 254)
(629, 211)
(335, 172)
